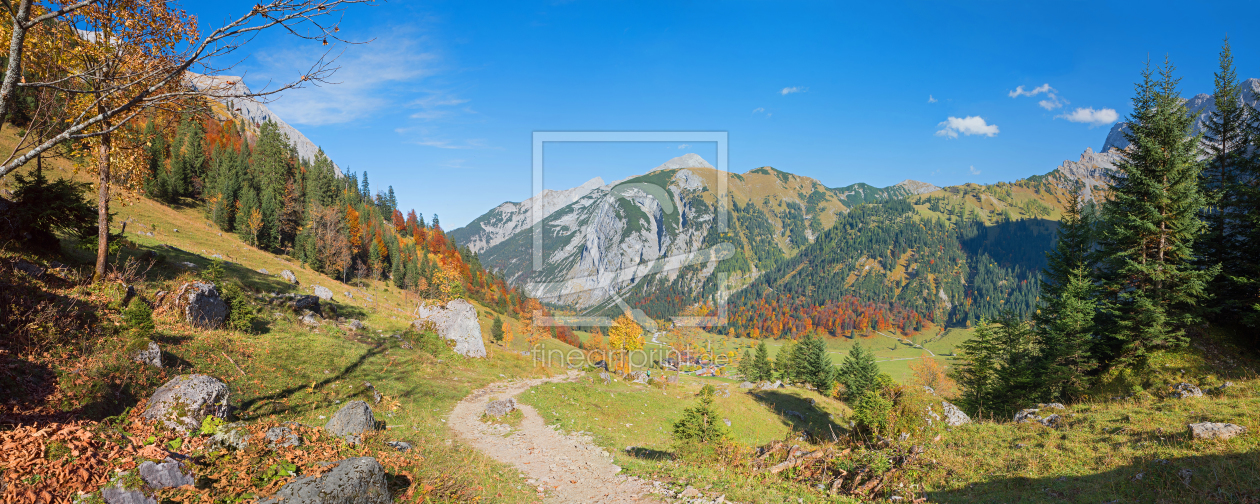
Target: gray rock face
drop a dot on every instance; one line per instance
(310, 320)
(606, 377)
(323, 292)
(954, 416)
(359, 480)
(288, 276)
(640, 377)
(203, 308)
(1213, 430)
(354, 324)
(165, 475)
(283, 436)
(184, 401)
(152, 355)
(499, 408)
(351, 420)
(456, 321)
(769, 386)
(1201, 106)
(747, 385)
(1185, 390)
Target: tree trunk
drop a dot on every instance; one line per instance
(102, 207)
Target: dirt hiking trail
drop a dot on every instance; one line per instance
(563, 468)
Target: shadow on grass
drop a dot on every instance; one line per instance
(275, 399)
(1231, 478)
(799, 414)
(649, 454)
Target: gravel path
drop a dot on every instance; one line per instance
(563, 468)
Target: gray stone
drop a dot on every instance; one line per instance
(354, 324)
(1053, 405)
(929, 390)
(747, 385)
(351, 420)
(796, 414)
(672, 378)
(359, 480)
(29, 268)
(118, 495)
(323, 292)
(769, 386)
(954, 416)
(1053, 421)
(203, 308)
(288, 276)
(1185, 390)
(310, 319)
(151, 355)
(1213, 430)
(263, 271)
(639, 377)
(456, 321)
(499, 408)
(184, 401)
(606, 377)
(305, 303)
(165, 475)
(232, 436)
(283, 436)
(401, 446)
(690, 493)
(1027, 415)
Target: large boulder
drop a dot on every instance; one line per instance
(184, 401)
(1213, 430)
(322, 292)
(151, 355)
(359, 480)
(302, 303)
(954, 416)
(351, 420)
(202, 305)
(283, 436)
(456, 321)
(288, 276)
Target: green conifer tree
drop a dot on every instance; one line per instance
(1150, 226)
(1225, 141)
(762, 370)
(858, 372)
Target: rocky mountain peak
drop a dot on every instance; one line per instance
(1201, 106)
(688, 160)
(916, 187)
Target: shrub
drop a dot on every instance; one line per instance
(890, 410)
(241, 313)
(44, 207)
(139, 318)
(700, 423)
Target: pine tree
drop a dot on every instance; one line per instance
(1225, 142)
(858, 373)
(1150, 226)
(975, 369)
(746, 368)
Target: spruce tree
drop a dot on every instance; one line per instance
(1065, 320)
(813, 365)
(975, 369)
(858, 373)
(1225, 142)
(1150, 225)
(496, 329)
(762, 370)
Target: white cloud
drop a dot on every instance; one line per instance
(794, 89)
(437, 106)
(1052, 103)
(423, 137)
(931, 100)
(1020, 91)
(368, 79)
(758, 109)
(1092, 117)
(684, 146)
(974, 171)
(970, 125)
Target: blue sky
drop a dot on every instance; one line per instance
(442, 102)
